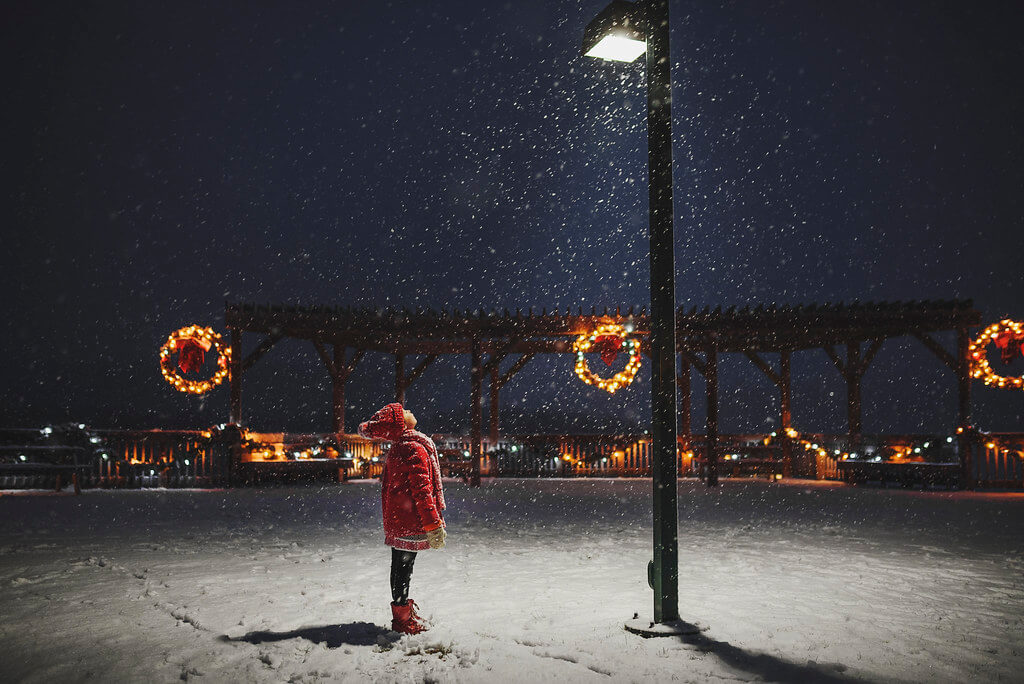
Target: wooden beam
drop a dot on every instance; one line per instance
(765, 368)
(762, 330)
(694, 360)
(418, 370)
(869, 355)
(965, 445)
(684, 387)
(322, 351)
(853, 404)
(455, 346)
(476, 412)
(493, 362)
(786, 390)
(516, 367)
(400, 378)
(493, 414)
(938, 350)
(711, 430)
(786, 405)
(499, 355)
(350, 367)
(235, 409)
(831, 351)
(338, 391)
(256, 354)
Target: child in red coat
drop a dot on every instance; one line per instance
(412, 501)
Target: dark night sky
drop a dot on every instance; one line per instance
(163, 158)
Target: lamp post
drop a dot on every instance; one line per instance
(623, 31)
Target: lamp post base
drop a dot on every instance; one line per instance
(647, 629)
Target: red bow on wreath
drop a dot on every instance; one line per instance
(191, 354)
(609, 346)
(1009, 346)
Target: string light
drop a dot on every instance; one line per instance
(200, 335)
(585, 343)
(980, 367)
(807, 445)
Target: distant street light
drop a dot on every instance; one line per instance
(622, 32)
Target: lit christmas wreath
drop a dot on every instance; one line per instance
(191, 344)
(609, 339)
(1008, 336)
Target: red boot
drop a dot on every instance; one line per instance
(405, 619)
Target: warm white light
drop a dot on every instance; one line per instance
(618, 48)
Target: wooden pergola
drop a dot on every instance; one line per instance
(851, 335)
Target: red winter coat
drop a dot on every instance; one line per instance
(412, 499)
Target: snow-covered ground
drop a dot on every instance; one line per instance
(794, 581)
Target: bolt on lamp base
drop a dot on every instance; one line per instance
(647, 629)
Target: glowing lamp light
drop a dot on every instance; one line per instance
(615, 33)
(618, 48)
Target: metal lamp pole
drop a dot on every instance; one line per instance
(619, 23)
(665, 568)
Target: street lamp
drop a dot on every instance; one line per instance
(623, 31)
(614, 34)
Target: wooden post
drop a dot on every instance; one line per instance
(853, 406)
(711, 380)
(495, 391)
(476, 411)
(235, 413)
(400, 379)
(338, 396)
(963, 372)
(685, 398)
(785, 389)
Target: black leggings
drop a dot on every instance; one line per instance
(401, 573)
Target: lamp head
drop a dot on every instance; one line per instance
(616, 33)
